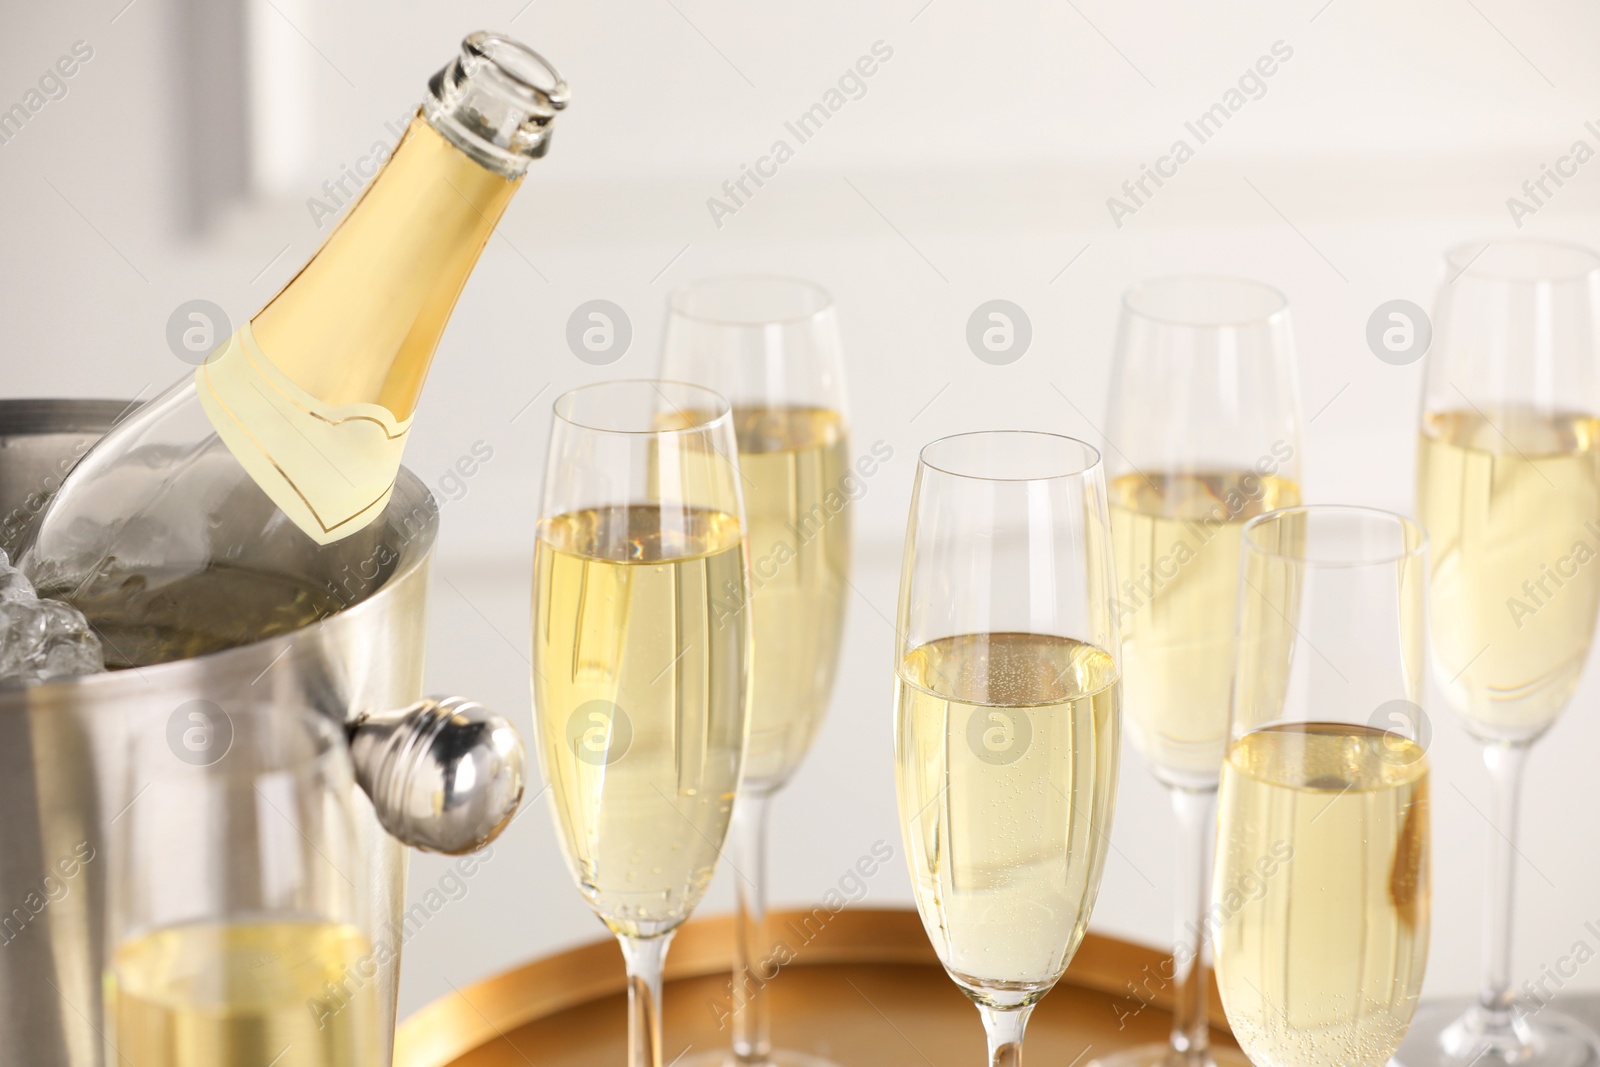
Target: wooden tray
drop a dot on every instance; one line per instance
(865, 989)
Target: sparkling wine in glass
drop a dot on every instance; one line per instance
(1006, 729)
(1320, 901)
(641, 659)
(240, 938)
(1508, 485)
(1204, 434)
(771, 346)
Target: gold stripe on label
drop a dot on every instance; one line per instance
(330, 468)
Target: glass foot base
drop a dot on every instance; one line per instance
(781, 1057)
(1458, 1033)
(1163, 1055)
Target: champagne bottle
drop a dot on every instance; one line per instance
(191, 525)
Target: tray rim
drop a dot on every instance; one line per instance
(455, 1024)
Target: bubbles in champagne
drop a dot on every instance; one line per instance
(1321, 884)
(41, 639)
(1006, 824)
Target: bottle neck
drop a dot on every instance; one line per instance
(361, 321)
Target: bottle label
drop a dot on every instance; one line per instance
(330, 468)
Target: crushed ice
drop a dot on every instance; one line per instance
(41, 639)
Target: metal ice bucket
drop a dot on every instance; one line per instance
(63, 744)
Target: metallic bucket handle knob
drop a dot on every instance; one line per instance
(444, 775)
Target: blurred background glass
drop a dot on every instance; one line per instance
(771, 347)
(1508, 483)
(1205, 414)
(238, 933)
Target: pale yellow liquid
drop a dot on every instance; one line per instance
(245, 995)
(1006, 848)
(797, 511)
(630, 610)
(1176, 541)
(1319, 956)
(1512, 509)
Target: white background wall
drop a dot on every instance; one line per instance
(976, 166)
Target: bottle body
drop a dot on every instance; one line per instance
(179, 533)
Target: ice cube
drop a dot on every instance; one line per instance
(13, 586)
(23, 625)
(41, 639)
(62, 618)
(72, 654)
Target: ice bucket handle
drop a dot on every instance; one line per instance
(444, 775)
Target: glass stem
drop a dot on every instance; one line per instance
(1196, 814)
(645, 957)
(1505, 763)
(752, 1035)
(1003, 1027)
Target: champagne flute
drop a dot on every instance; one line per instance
(1204, 424)
(771, 346)
(1508, 485)
(640, 660)
(240, 939)
(1321, 896)
(1006, 732)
